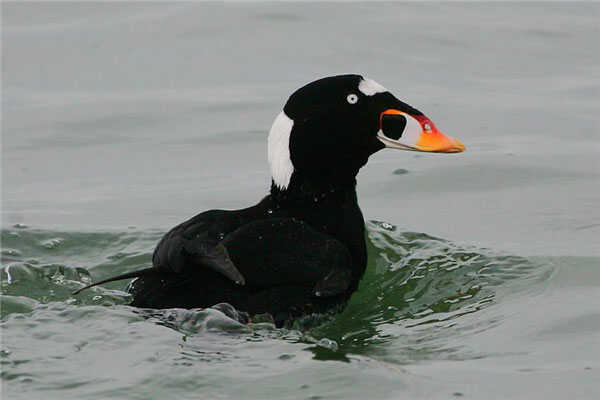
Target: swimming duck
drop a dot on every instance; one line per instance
(301, 249)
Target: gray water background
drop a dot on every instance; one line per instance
(121, 120)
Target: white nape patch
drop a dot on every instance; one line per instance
(369, 87)
(279, 150)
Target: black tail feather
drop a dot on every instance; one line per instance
(129, 275)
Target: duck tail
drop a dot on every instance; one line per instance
(129, 275)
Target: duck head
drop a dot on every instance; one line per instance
(329, 128)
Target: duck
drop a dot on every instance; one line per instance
(301, 250)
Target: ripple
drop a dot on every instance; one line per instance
(52, 243)
(417, 293)
(400, 171)
(9, 253)
(199, 320)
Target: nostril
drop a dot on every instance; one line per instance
(393, 125)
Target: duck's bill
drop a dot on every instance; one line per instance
(399, 130)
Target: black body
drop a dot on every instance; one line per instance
(301, 250)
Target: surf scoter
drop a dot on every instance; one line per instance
(301, 249)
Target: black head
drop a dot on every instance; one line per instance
(330, 127)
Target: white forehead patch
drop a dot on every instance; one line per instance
(279, 150)
(369, 87)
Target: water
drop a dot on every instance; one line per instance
(121, 120)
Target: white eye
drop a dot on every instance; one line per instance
(352, 98)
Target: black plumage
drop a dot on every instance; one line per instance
(296, 255)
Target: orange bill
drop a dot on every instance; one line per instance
(401, 130)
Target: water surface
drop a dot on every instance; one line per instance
(122, 120)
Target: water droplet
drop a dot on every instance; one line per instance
(221, 236)
(388, 226)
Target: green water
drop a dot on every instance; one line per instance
(424, 301)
